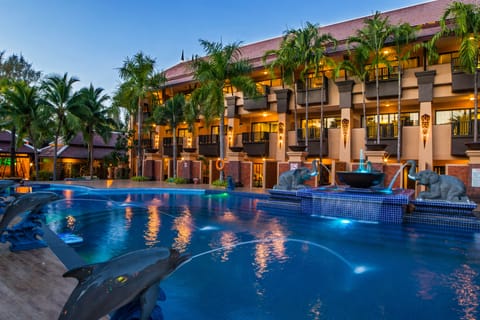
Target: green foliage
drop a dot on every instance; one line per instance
(44, 175)
(140, 178)
(220, 183)
(177, 180)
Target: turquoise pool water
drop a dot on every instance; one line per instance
(251, 264)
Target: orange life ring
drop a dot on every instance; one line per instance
(219, 164)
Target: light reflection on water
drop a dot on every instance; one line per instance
(308, 267)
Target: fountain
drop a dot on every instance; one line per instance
(363, 177)
(361, 196)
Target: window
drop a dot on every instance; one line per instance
(182, 132)
(389, 123)
(447, 116)
(265, 126)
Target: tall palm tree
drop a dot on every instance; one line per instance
(94, 118)
(402, 35)
(12, 69)
(466, 26)
(223, 67)
(140, 78)
(285, 61)
(311, 53)
(60, 97)
(355, 63)
(26, 114)
(172, 114)
(372, 37)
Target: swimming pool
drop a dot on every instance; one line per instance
(262, 265)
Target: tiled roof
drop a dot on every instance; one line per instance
(77, 152)
(77, 148)
(5, 139)
(97, 140)
(425, 14)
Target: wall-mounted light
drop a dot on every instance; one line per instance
(425, 123)
(230, 136)
(345, 126)
(189, 142)
(280, 134)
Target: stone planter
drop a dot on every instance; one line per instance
(376, 146)
(236, 149)
(297, 148)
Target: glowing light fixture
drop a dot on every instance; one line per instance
(425, 123)
(345, 125)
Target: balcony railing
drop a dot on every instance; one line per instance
(314, 140)
(461, 80)
(209, 145)
(167, 144)
(208, 139)
(462, 132)
(255, 137)
(256, 144)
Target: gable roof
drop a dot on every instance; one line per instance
(77, 148)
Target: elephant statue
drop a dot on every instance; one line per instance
(439, 186)
(294, 179)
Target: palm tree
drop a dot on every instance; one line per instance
(310, 47)
(94, 118)
(402, 35)
(26, 114)
(285, 61)
(223, 67)
(466, 26)
(140, 79)
(172, 113)
(355, 63)
(12, 69)
(61, 99)
(372, 37)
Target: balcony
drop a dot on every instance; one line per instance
(462, 132)
(388, 135)
(315, 95)
(257, 103)
(256, 144)
(209, 145)
(387, 85)
(461, 81)
(168, 146)
(314, 141)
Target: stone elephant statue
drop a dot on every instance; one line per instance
(294, 179)
(439, 186)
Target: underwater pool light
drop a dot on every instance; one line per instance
(345, 221)
(359, 269)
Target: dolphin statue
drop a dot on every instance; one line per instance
(107, 286)
(27, 202)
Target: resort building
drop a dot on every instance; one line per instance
(435, 122)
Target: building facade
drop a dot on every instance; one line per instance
(435, 122)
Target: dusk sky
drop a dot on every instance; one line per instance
(90, 39)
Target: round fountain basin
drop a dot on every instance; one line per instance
(358, 179)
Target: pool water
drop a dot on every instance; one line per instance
(251, 264)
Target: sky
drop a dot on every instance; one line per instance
(90, 39)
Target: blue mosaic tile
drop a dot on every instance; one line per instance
(375, 206)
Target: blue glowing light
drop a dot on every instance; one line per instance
(359, 269)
